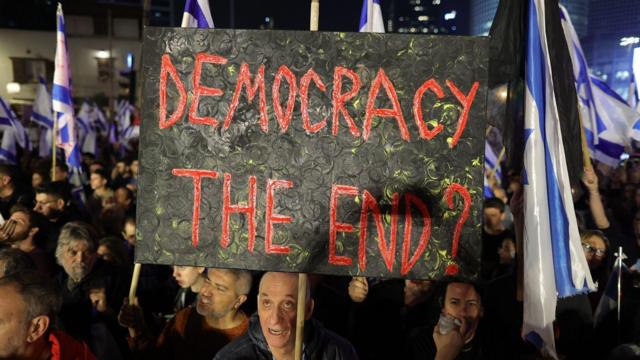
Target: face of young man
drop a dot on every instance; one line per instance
(13, 325)
(492, 217)
(218, 296)
(462, 301)
(22, 228)
(187, 276)
(49, 206)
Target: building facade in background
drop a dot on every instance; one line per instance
(434, 17)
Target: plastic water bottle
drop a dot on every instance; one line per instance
(446, 323)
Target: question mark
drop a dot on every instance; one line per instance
(452, 269)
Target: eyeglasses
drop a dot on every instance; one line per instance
(591, 249)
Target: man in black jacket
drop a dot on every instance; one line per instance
(272, 332)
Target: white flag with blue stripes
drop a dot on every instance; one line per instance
(606, 117)
(491, 166)
(42, 114)
(554, 263)
(197, 15)
(371, 17)
(66, 138)
(8, 152)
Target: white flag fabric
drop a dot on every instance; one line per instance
(63, 108)
(371, 17)
(42, 114)
(197, 15)
(554, 262)
(606, 117)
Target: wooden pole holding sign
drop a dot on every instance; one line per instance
(302, 300)
(134, 282)
(302, 278)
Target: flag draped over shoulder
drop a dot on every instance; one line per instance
(554, 262)
(371, 17)
(197, 14)
(42, 114)
(606, 117)
(66, 138)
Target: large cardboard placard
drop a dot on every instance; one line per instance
(335, 153)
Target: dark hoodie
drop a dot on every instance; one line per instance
(319, 344)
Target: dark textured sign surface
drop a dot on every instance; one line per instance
(335, 153)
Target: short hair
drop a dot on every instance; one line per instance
(39, 293)
(10, 171)
(117, 249)
(243, 280)
(36, 220)
(308, 295)
(61, 164)
(586, 234)
(57, 189)
(76, 231)
(444, 283)
(495, 203)
(101, 172)
(15, 261)
(127, 191)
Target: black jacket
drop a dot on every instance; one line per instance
(319, 344)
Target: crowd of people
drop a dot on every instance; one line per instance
(66, 267)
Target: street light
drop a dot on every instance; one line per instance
(13, 88)
(629, 40)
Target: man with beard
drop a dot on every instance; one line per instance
(51, 202)
(195, 333)
(91, 290)
(22, 230)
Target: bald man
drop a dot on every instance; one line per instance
(272, 331)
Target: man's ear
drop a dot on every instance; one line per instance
(200, 269)
(60, 204)
(308, 311)
(241, 299)
(33, 231)
(38, 328)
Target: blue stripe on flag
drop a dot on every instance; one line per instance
(61, 94)
(193, 8)
(607, 90)
(558, 221)
(11, 157)
(42, 120)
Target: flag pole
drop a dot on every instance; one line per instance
(134, 287)
(619, 264)
(302, 278)
(53, 150)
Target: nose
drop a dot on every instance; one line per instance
(175, 272)
(275, 317)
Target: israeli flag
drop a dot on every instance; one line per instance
(197, 15)
(8, 153)
(607, 119)
(491, 166)
(371, 17)
(66, 138)
(609, 300)
(42, 114)
(99, 120)
(554, 262)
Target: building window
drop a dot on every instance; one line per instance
(79, 25)
(27, 70)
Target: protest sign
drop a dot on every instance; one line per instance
(332, 153)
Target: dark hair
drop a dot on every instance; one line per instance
(117, 249)
(127, 190)
(101, 172)
(444, 283)
(495, 203)
(57, 189)
(38, 292)
(15, 261)
(36, 220)
(10, 171)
